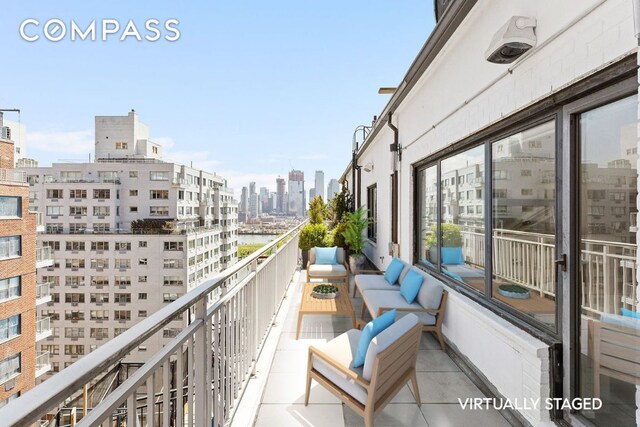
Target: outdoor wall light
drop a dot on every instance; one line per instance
(512, 40)
(387, 90)
(368, 167)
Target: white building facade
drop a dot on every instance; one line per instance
(130, 234)
(530, 171)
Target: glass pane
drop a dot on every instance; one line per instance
(524, 215)
(428, 188)
(462, 228)
(609, 333)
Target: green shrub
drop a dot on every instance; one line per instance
(312, 235)
(451, 236)
(356, 223)
(316, 210)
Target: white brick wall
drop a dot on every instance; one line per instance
(459, 95)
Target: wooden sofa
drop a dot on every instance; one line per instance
(379, 296)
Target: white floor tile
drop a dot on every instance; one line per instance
(300, 415)
(445, 387)
(435, 361)
(288, 388)
(394, 414)
(452, 415)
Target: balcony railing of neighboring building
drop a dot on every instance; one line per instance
(43, 294)
(42, 363)
(527, 259)
(12, 175)
(39, 220)
(212, 358)
(44, 257)
(43, 327)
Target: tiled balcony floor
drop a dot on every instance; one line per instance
(440, 381)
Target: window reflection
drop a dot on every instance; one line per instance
(462, 229)
(609, 322)
(428, 183)
(523, 187)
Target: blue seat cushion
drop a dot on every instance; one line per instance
(452, 275)
(452, 256)
(369, 332)
(327, 256)
(411, 285)
(393, 271)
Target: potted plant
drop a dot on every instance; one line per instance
(313, 234)
(451, 240)
(356, 224)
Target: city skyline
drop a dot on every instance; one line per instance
(178, 87)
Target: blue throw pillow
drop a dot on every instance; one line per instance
(452, 274)
(452, 256)
(393, 271)
(326, 256)
(629, 313)
(369, 332)
(411, 285)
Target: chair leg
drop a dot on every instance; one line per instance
(441, 340)
(355, 288)
(368, 417)
(364, 308)
(414, 385)
(307, 389)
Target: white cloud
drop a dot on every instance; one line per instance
(68, 142)
(199, 159)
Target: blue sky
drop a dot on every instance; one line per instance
(250, 90)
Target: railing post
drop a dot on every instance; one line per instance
(201, 365)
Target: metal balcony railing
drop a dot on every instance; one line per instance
(42, 360)
(12, 175)
(212, 358)
(44, 255)
(43, 325)
(43, 290)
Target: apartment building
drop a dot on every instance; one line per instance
(20, 326)
(131, 233)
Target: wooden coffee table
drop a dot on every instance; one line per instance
(339, 306)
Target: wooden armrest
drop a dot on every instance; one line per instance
(409, 310)
(329, 361)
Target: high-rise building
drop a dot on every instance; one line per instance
(319, 184)
(244, 205)
(264, 200)
(254, 202)
(131, 233)
(20, 327)
(280, 195)
(333, 188)
(297, 197)
(312, 193)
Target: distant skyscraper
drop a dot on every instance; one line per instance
(254, 208)
(280, 190)
(297, 199)
(244, 205)
(312, 193)
(264, 200)
(332, 188)
(319, 187)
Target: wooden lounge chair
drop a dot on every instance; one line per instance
(333, 272)
(390, 363)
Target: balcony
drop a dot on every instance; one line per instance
(250, 369)
(42, 363)
(13, 176)
(44, 257)
(40, 228)
(43, 295)
(43, 328)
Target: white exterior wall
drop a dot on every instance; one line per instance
(460, 94)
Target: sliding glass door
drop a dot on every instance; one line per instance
(608, 324)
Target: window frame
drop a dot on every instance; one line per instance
(372, 218)
(18, 214)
